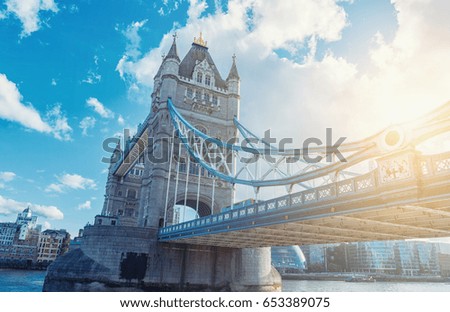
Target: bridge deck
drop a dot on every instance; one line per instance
(365, 208)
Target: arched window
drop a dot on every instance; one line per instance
(199, 77)
(208, 80)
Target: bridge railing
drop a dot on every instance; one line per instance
(429, 166)
(435, 164)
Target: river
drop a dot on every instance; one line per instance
(32, 281)
(21, 280)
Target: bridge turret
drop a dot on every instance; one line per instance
(234, 88)
(168, 73)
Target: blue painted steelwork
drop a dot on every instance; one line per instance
(304, 205)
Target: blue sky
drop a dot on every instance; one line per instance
(73, 73)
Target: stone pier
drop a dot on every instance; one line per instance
(121, 258)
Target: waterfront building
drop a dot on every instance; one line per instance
(406, 258)
(7, 233)
(26, 221)
(288, 259)
(52, 243)
(22, 249)
(20, 242)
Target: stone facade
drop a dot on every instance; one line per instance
(209, 103)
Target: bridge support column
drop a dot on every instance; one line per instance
(252, 271)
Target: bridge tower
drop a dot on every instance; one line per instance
(198, 91)
(153, 174)
(165, 176)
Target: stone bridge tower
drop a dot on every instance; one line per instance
(195, 86)
(122, 246)
(209, 103)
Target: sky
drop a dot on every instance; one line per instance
(74, 73)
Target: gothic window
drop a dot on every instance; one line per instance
(208, 80)
(189, 93)
(197, 94)
(131, 194)
(182, 165)
(199, 77)
(207, 97)
(214, 100)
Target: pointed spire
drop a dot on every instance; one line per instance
(233, 71)
(173, 53)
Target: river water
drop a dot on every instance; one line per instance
(333, 286)
(32, 281)
(21, 280)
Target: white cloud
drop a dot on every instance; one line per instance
(11, 206)
(133, 38)
(12, 108)
(87, 123)
(53, 82)
(58, 188)
(71, 181)
(28, 11)
(92, 78)
(168, 7)
(401, 79)
(46, 226)
(85, 206)
(196, 8)
(99, 108)
(7, 176)
(58, 122)
(120, 120)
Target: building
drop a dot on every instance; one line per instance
(7, 232)
(139, 196)
(288, 259)
(26, 221)
(406, 258)
(52, 243)
(20, 242)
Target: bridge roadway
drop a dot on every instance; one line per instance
(407, 196)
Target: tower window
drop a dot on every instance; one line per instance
(214, 100)
(208, 80)
(131, 194)
(199, 77)
(207, 97)
(189, 93)
(197, 94)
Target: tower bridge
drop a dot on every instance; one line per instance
(192, 127)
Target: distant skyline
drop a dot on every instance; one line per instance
(74, 73)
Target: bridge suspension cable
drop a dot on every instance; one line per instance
(217, 156)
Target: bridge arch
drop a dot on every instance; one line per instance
(204, 204)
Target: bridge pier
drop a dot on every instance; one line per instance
(120, 258)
